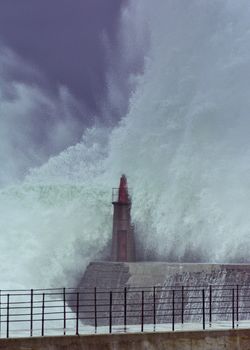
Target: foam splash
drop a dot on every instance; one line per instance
(184, 146)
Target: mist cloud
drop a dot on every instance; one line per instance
(33, 125)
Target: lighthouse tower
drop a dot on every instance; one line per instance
(123, 245)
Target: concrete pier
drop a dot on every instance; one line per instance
(111, 275)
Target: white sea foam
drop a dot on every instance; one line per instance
(184, 146)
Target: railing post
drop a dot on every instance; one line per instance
(95, 308)
(173, 309)
(154, 306)
(0, 313)
(203, 309)
(210, 305)
(237, 304)
(110, 311)
(64, 311)
(233, 308)
(31, 312)
(43, 304)
(142, 311)
(8, 316)
(77, 313)
(182, 304)
(125, 309)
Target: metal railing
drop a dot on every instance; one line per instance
(72, 311)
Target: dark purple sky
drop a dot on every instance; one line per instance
(50, 44)
(63, 39)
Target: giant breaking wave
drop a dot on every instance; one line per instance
(184, 146)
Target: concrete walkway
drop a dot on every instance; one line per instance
(180, 340)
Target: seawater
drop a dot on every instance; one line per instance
(184, 146)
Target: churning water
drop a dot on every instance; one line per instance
(184, 146)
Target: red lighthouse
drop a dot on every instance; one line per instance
(123, 245)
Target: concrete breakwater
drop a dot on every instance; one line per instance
(211, 291)
(111, 275)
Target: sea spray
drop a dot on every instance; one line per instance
(184, 146)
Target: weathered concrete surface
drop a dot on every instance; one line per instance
(111, 275)
(196, 340)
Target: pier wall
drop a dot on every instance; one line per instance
(111, 275)
(192, 340)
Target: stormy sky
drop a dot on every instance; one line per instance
(58, 59)
(64, 41)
